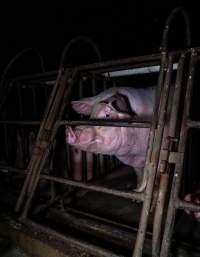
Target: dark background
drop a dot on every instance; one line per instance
(119, 29)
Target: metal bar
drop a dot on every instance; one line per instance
(130, 195)
(164, 166)
(34, 103)
(153, 163)
(39, 164)
(112, 233)
(180, 204)
(39, 135)
(5, 129)
(135, 124)
(107, 64)
(18, 122)
(155, 119)
(83, 154)
(82, 245)
(176, 99)
(167, 237)
(193, 124)
(20, 102)
(158, 216)
(164, 44)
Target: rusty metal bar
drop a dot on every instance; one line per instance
(18, 122)
(33, 162)
(135, 124)
(155, 119)
(153, 163)
(81, 244)
(20, 102)
(130, 195)
(50, 122)
(167, 237)
(193, 124)
(118, 64)
(34, 103)
(5, 128)
(83, 154)
(180, 204)
(179, 10)
(164, 168)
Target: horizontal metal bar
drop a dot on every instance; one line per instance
(135, 124)
(18, 122)
(180, 204)
(130, 195)
(193, 124)
(136, 71)
(104, 65)
(83, 246)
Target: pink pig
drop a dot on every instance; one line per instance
(129, 145)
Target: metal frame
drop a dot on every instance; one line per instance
(156, 153)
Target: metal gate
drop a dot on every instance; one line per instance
(167, 137)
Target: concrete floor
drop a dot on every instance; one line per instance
(8, 250)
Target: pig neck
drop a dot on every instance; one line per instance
(133, 146)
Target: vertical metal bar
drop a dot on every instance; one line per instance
(179, 165)
(20, 101)
(164, 169)
(83, 154)
(34, 103)
(57, 115)
(155, 118)
(32, 162)
(152, 163)
(5, 127)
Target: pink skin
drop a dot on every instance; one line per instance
(193, 198)
(127, 144)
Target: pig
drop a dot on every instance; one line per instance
(129, 145)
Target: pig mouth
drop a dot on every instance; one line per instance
(82, 136)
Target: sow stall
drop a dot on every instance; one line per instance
(101, 214)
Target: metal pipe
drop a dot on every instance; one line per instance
(167, 237)
(135, 124)
(39, 135)
(153, 163)
(130, 195)
(180, 204)
(81, 245)
(56, 113)
(164, 165)
(179, 10)
(34, 103)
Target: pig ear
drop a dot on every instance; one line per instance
(83, 106)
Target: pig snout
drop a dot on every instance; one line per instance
(80, 135)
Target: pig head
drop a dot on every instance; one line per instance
(129, 145)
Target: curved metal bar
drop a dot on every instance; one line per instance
(174, 13)
(74, 40)
(17, 56)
